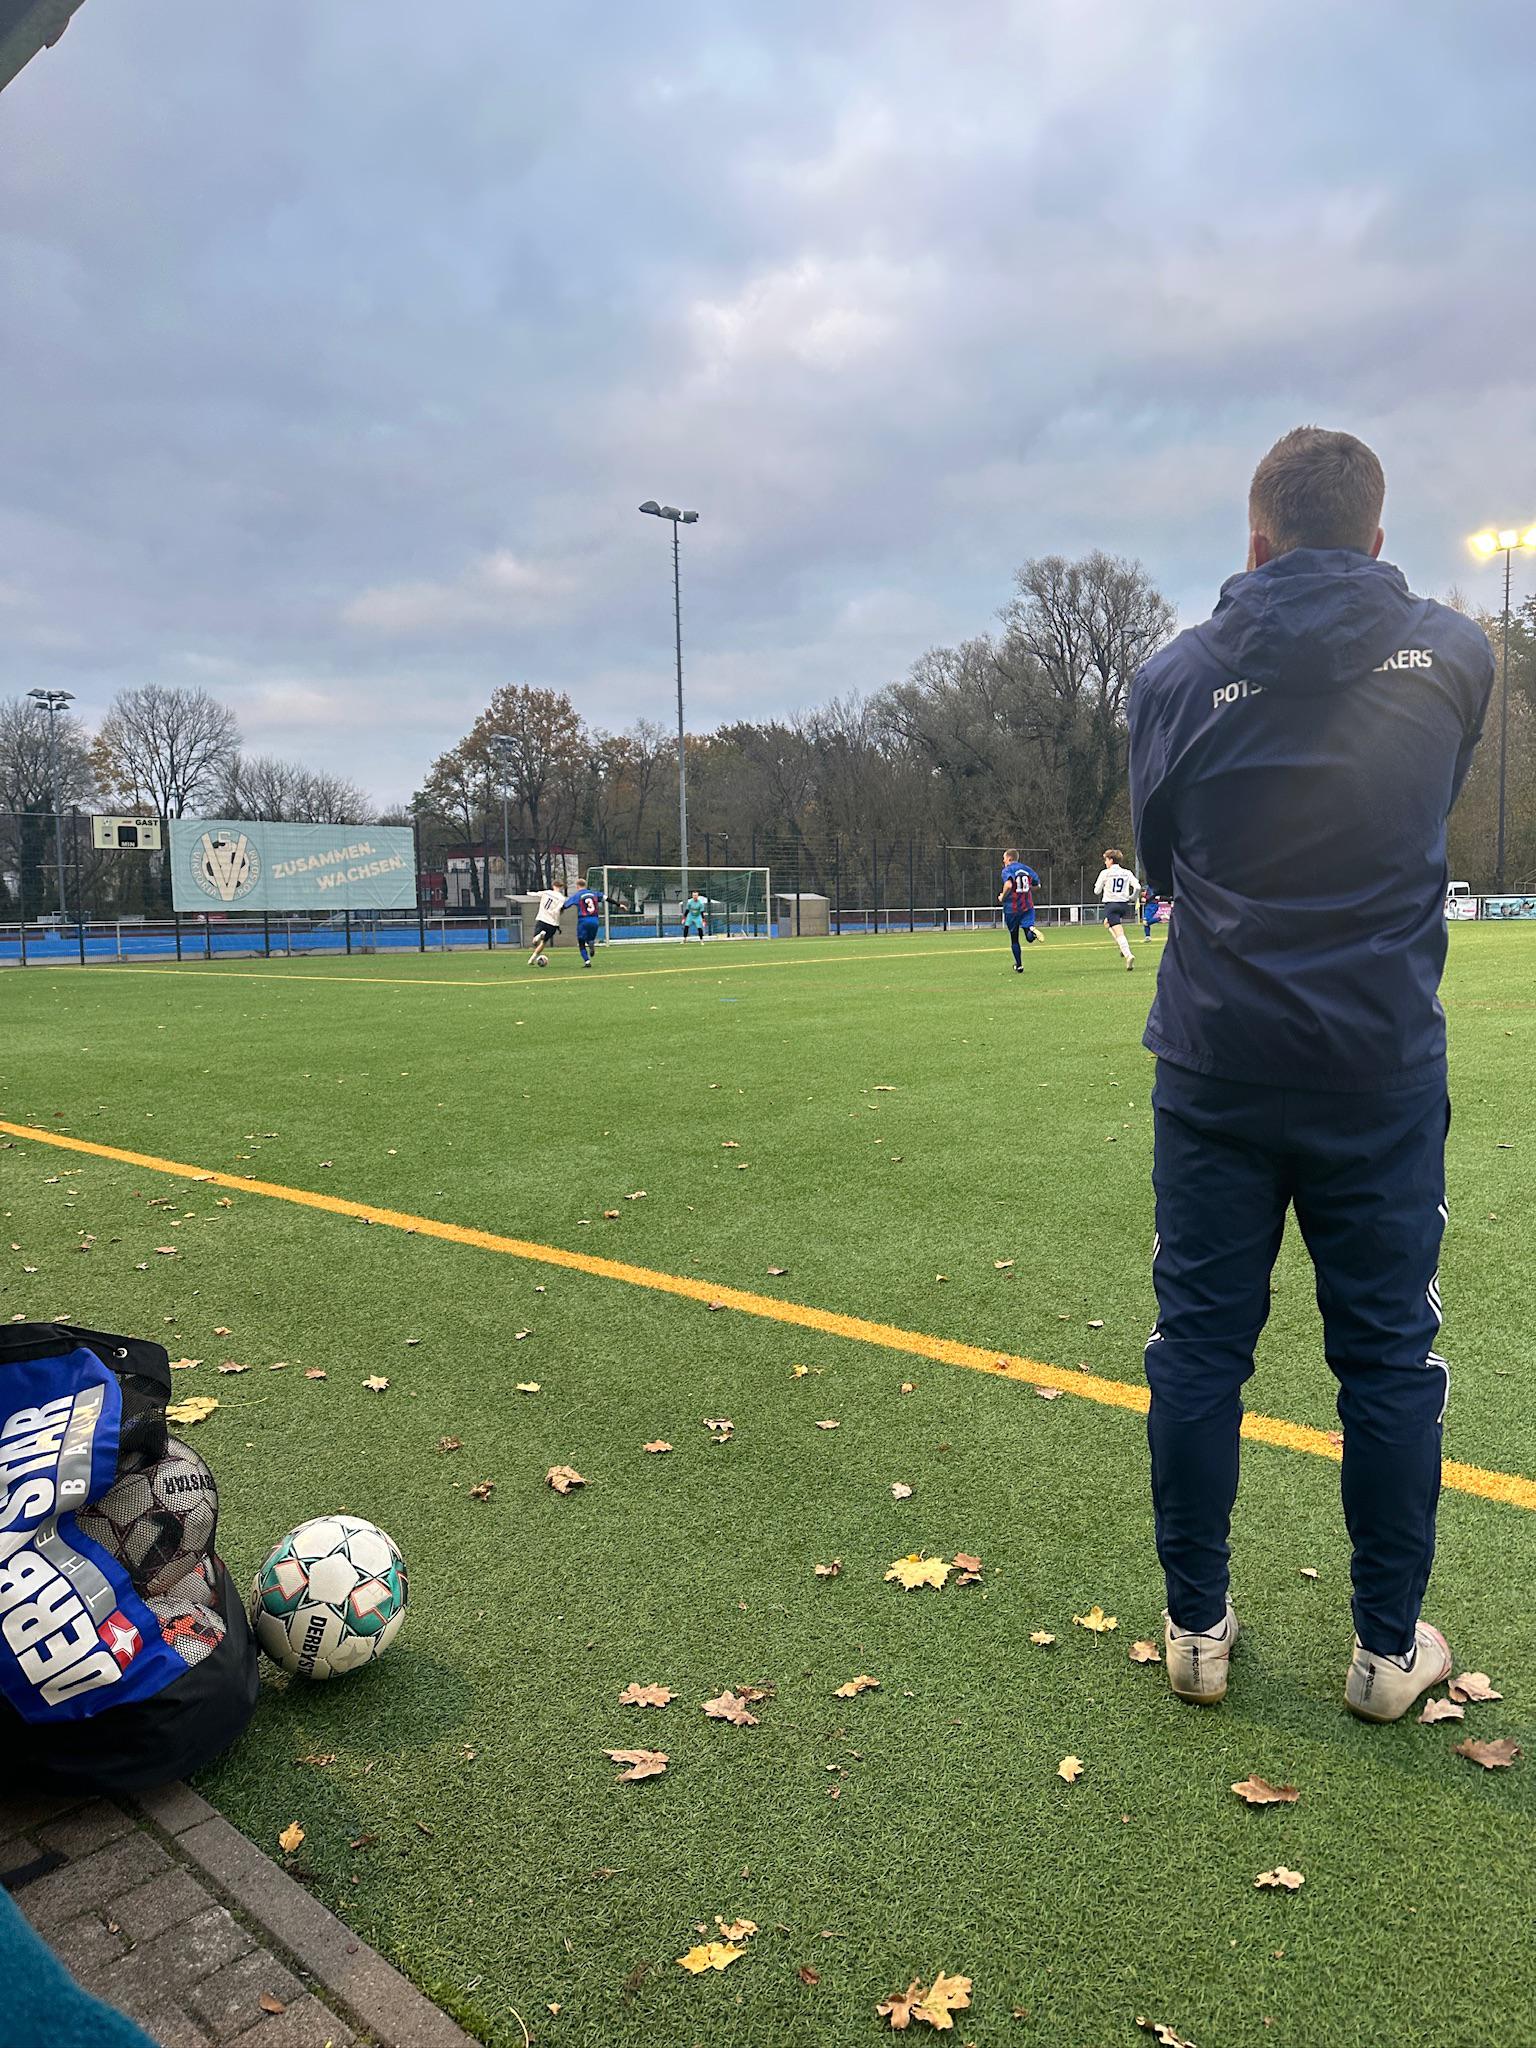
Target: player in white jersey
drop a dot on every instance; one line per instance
(1117, 889)
(546, 925)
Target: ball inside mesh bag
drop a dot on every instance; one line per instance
(193, 1628)
(160, 1521)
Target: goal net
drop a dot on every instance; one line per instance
(647, 903)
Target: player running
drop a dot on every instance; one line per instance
(587, 904)
(1117, 889)
(695, 918)
(1151, 904)
(1017, 896)
(546, 925)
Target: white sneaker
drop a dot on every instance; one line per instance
(1197, 1659)
(1384, 1688)
(1130, 962)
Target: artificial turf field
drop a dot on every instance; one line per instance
(869, 1115)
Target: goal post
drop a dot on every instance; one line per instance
(647, 902)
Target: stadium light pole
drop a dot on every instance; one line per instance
(55, 700)
(678, 519)
(1505, 541)
(503, 742)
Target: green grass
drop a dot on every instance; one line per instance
(473, 1091)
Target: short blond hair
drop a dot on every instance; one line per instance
(1317, 489)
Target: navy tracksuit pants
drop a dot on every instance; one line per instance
(1365, 1174)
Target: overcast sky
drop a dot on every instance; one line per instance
(340, 339)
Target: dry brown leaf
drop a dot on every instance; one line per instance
(753, 1693)
(965, 1562)
(1474, 1687)
(933, 2006)
(807, 1975)
(1308, 1571)
(1493, 1756)
(519, 1335)
(563, 1477)
(482, 1489)
(167, 1251)
(637, 1695)
(899, 1491)
(731, 1145)
(610, 1215)
(1145, 1652)
(798, 1372)
(638, 1763)
(1442, 1710)
(376, 1384)
(828, 1571)
(854, 1686)
(735, 1930)
(915, 1571)
(1259, 1792)
(732, 1707)
(1070, 1768)
(637, 1196)
(907, 1387)
(721, 1425)
(829, 1425)
(449, 1443)
(900, 2006)
(714, 1306)
(315, 1372)
(1042, 1636)
(1049, 1393)
(1001, 1265)
(1097, 1323)
(270, 2004)
(710, 1955)
(290, 1838)
(184, 1364)
(230, 1365)
(658, 1446)
(777, 1272)
(1096, 1620)
(528, 1387)
(1279, 1880)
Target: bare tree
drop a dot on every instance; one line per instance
(27, 793)
(287, 792)
(165, 750)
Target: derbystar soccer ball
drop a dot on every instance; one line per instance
(330, 1598)
(160, 1521)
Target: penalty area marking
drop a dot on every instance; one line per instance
(1511, 1489)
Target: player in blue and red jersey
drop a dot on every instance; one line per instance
(1017, 896)
(588, 905)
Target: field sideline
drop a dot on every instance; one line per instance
(869, 1115)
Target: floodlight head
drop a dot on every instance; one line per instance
(1530, 538)
(690, 519)
(652, 507)
(670, 512)
(1485, 543)
(1509, 537)
(40, 695)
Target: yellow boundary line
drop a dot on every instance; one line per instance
(1509, 1488)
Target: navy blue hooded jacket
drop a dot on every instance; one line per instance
(1293, 763)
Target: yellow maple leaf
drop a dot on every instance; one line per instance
(944, 1996)
(1096, 1619)
(915, 1571)
(854, 1686)
(1070, 1768)
(1279, 1879)
(196, 1408)
(798, 1372)
(710, 1955)
(1042, 1636)
(736, 1930)
(290, 1838)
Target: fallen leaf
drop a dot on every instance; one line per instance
(290, 1838)
(1049, 1393)
(528, 1387)
(777, 1272)
(1001, 1265)
(196, 1408)
(885, 1088)
(1164, 2036)
(722, 1425)
(901, 2005)
(1042, 1636)
(1259, 1792)
(1145, 1652)
(731, 1145)
(563, 1477)
(828, 1571)
(637, 1196)
(658, 1446)
(732, 1707)
(637, 1695)
(899, 1491)
(450, 1443)
(798, 1372)
(270, 2004)
(715, 1305)
(320, 1762)
(828, 1425)
(1279, 1879)
(945, 1996)
(639, 1763)
(854, 1686)
(1070, 1768)
(1473, 1686)
(969, 1568)
(315, 1372)
(807, 1975)
(907, 1387)
(375, 1385)
(1096, 1620)
(710, 1955)
(482, 1489)
(1097, 1323)
(1308, 1571)
(1493, 1756)
(184, 1364)
(167, 1251)
(1442, 1710)
(736, 1930)
(915, 1571)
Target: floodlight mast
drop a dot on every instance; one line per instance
(1505, 541)
(55, 700)
(678, 518)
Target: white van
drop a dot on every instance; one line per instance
(1459, 901)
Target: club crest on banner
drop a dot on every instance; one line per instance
(225, 865)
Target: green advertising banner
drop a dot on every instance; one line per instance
(241, 864)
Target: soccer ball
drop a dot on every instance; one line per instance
(160, 1521)
(330, 1598)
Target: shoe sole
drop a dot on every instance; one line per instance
(1363, 1713)
(1199, 1699)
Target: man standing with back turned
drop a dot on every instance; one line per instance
(1293, 763)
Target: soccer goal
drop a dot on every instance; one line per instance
(647, 903)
